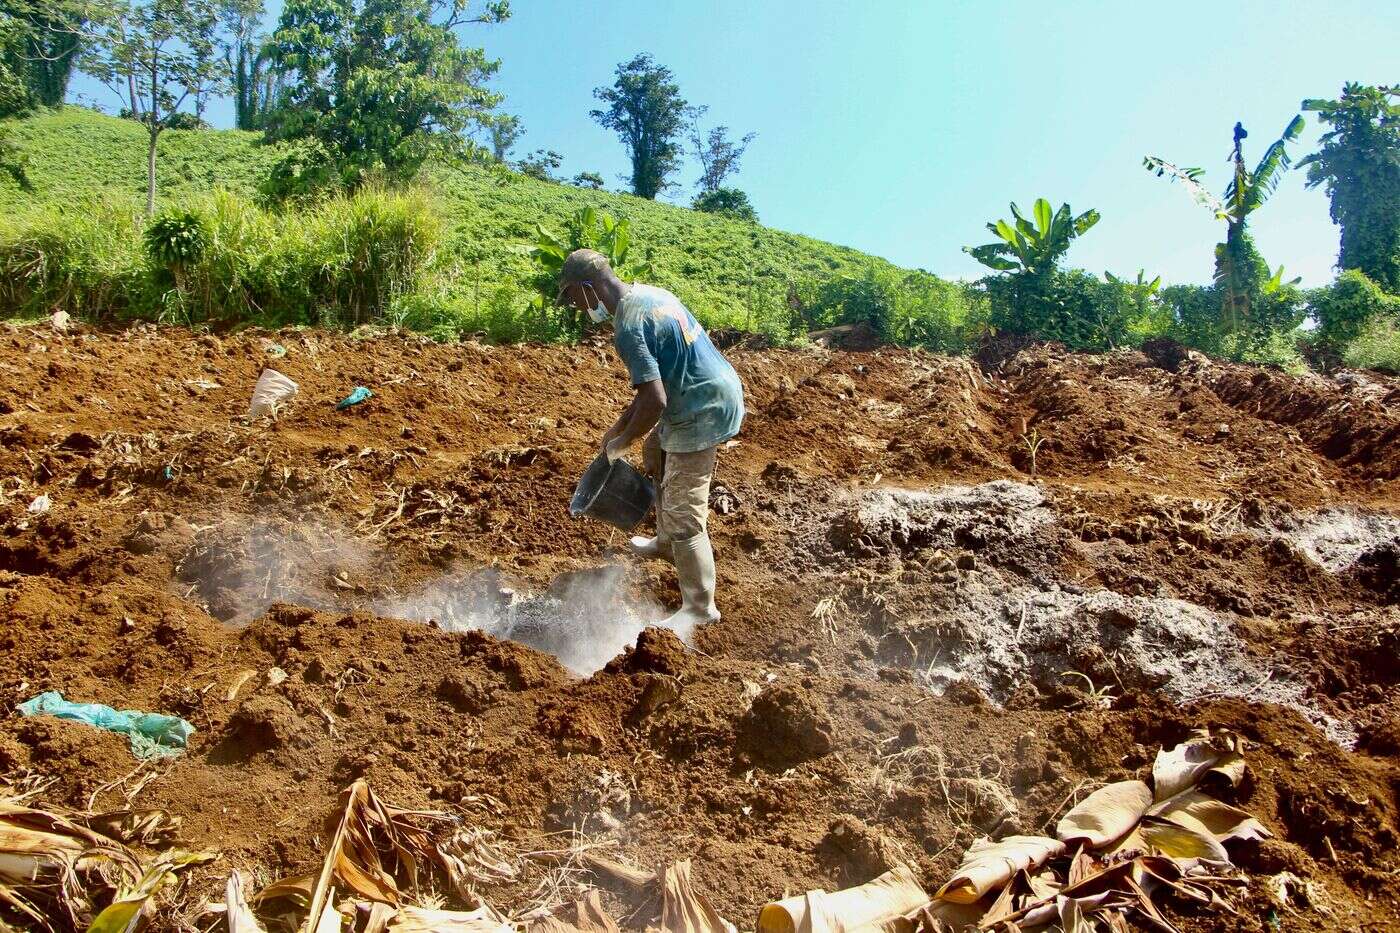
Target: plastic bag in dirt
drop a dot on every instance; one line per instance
(272, 388)
(152, 735)
(358, 395)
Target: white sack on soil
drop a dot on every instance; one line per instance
(272, 389)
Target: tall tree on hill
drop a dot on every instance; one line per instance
(506, 131)
(646, 110)
(15, 93)
(41, 44)
(247, 57)
(382, 85)
(158, 54)
(717, 154)
(1358, 162)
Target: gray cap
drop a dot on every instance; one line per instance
(582, 265)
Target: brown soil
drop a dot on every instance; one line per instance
(797, 744)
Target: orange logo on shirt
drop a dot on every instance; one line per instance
(682, 320)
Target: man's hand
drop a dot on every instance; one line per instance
(614, 447)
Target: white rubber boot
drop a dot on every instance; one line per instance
(651, 547)
(695, 572)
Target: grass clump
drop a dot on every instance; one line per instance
(221, 259)
(1376, 347)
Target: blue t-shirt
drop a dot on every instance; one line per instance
(658, 338)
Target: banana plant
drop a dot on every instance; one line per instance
(1238, 267)
(1141, 285)
(1033, 248)
(588, 228)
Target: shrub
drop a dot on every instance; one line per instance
(506, 315)
(914, 309)
(1195, 317)
(177, 238)
(305, 171)
(1346, 307)
(1076, 309)
(1377, 346)
(368, 249)
(731, 202)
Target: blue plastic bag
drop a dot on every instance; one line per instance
(151, 735)
(357, 396)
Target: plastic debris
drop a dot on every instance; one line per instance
(40, 505)
(151, 735)
(60, 321)
(168, 474)
(272, 389)
(356, 396)
(276, 349)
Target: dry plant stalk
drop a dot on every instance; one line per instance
(46, 856)
(373, 844)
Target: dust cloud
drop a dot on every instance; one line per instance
(585, 618)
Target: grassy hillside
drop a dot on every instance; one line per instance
(74, 154)
(729, 272)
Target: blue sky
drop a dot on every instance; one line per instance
(900, 128)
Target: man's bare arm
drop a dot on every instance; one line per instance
(640, 417)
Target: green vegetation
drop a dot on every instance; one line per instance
(1376, 347)
(1351, 305)
(1359, 166)
(645, 108)
(80, 224)
(380, 86)
(1240, 272)
(280, 233)
(39, 46)
(730, 202)
(343, 262)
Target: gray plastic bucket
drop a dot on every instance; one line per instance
(616, 493)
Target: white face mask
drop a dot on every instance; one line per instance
(596, 312)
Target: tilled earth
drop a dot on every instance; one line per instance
(957, 598)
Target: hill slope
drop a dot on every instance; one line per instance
(722, 268)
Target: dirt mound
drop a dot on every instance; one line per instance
(955, 600)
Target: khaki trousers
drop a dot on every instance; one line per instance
(683, 489)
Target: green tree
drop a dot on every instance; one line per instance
(41, 42)
(1240, 272)
(717, 154)
(248, 59)
(591, 180)
(505, 131)
(159, 54)
(541, 164)
(646, 110)
(1358, 162)
(381, 85)
(730, 202)
(16, 96)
